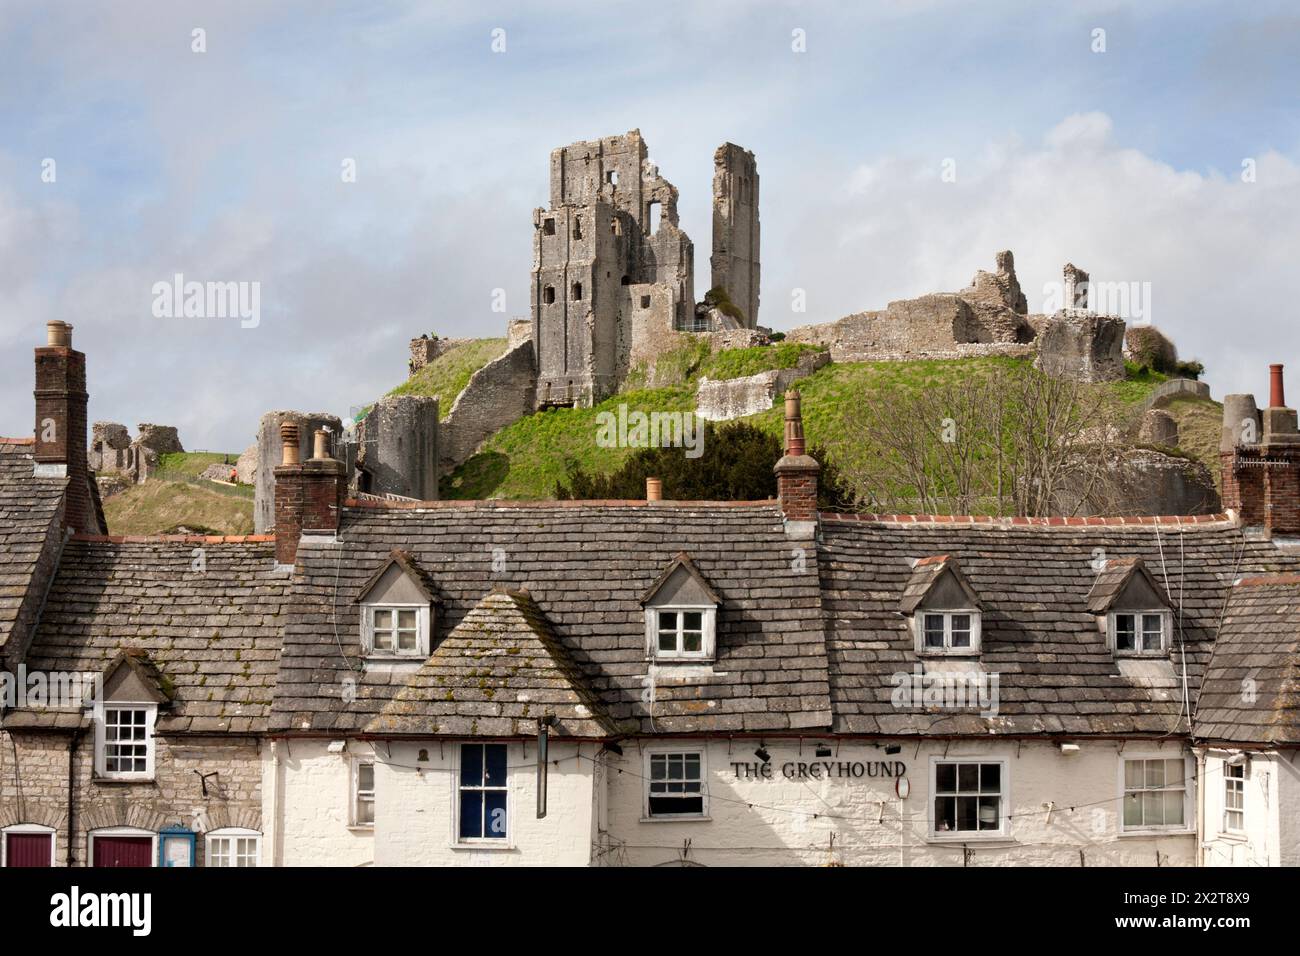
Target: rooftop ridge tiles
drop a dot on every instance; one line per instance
(504, 504)
(174, 538)
(1115, 521)
(30, 440)
(1265, 580)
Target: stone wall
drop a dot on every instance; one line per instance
(429, 347)
(722, 400)
(112, 452)
(1166, 392)
(1147, 345)
(735, 259)
(1083, 346)
(234, 797)
(396, 448)
(498, 394)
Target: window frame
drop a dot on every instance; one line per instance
(101, 742)
(1240, 790)
(1003, 832)
(976, 632)
(1166, 631)
(28, 829)
(232, 833)
(647, 774)
(505, 842)
(355, 793)
(708, 635)
(1189, 794)
(423, 627)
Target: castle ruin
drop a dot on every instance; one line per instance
(612, 267)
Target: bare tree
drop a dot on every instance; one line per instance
(1007, 441)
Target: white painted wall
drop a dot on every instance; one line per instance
(1271, 834)
(313, 826)
(416, 807)
(785, 822)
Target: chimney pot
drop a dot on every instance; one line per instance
(794, 440)
(654, 489)
(289, 439)
(58, 334)
(321, 449)
(1276, 394)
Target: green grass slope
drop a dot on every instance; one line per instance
(448, 374)
(526, 459)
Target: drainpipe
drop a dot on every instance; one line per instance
(72, 795)
(273, 814)
(1200, 807)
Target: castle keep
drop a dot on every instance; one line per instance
(612, 266)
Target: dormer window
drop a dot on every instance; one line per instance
(133, 691)
(1134, 609)
(1139, 632)
(944, 610)
(681, 614)
(397, 610)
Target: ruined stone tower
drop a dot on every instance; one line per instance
(734, 262)
(612, 269)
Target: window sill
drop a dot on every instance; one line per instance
(361, 827)
(1148, 834)
(684, 818)
(1233, 836)
(491, 846)
(969, 837)
(120, 781)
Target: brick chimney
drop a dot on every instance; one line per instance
(1260, 454)
(308, 495)
(796, 472)
(60, 448)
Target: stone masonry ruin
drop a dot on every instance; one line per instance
(612, 267)
(112, 451)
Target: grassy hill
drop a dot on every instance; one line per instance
(448, 374)
(159, 506)
(526, 459)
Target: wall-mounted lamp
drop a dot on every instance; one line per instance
(762, 754)
(893, 749)
(1069, 748)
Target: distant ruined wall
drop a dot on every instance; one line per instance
(498, 394)
(1083, 347)
(396, 449)
(721, 400)
(427, 348)
(734, 262)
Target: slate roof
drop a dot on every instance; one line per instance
(1056, 674)
(494, 675)
(29, 507)
(1111, 579)
(586, 565)
(211, 636)
(1260, 643)
(926, 572)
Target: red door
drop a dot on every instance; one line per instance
(28, 849)
(123, 851)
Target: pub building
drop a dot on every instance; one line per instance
(646, 682)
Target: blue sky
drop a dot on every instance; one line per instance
(225, 165)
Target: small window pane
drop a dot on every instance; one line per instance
(1124, 632)
(366, 776)
(668, 620)
(495, 814)
(471, 765)
(692, 620)
(471, 814)
(1155, 773)
(990, 778)
(945, 776)
(406, 619)
(691, 641)
(934, 630)
(496, 765)
(968, 780)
